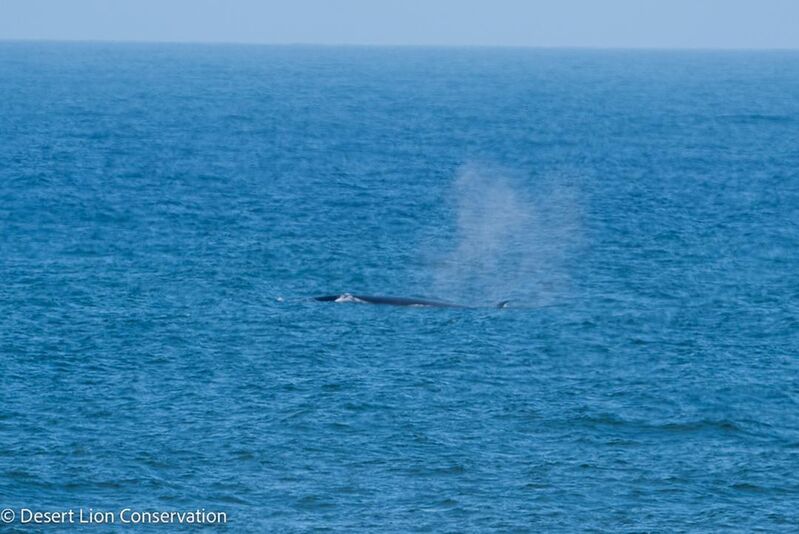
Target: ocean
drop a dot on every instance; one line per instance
(168, 213)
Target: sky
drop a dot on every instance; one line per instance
(542, 23)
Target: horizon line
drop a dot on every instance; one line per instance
(400, 45)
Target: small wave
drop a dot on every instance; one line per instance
(702, 425)
(757, 118)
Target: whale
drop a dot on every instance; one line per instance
(395, 301)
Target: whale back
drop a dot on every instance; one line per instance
(394, 301)
(385, 300)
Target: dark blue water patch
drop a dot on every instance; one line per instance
(168, 213)
(757, 118)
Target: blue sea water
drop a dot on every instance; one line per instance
(168, 211)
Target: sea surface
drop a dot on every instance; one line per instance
(167, 213)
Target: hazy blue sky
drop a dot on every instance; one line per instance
(602, 23)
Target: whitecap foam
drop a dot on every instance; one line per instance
(346, 297)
